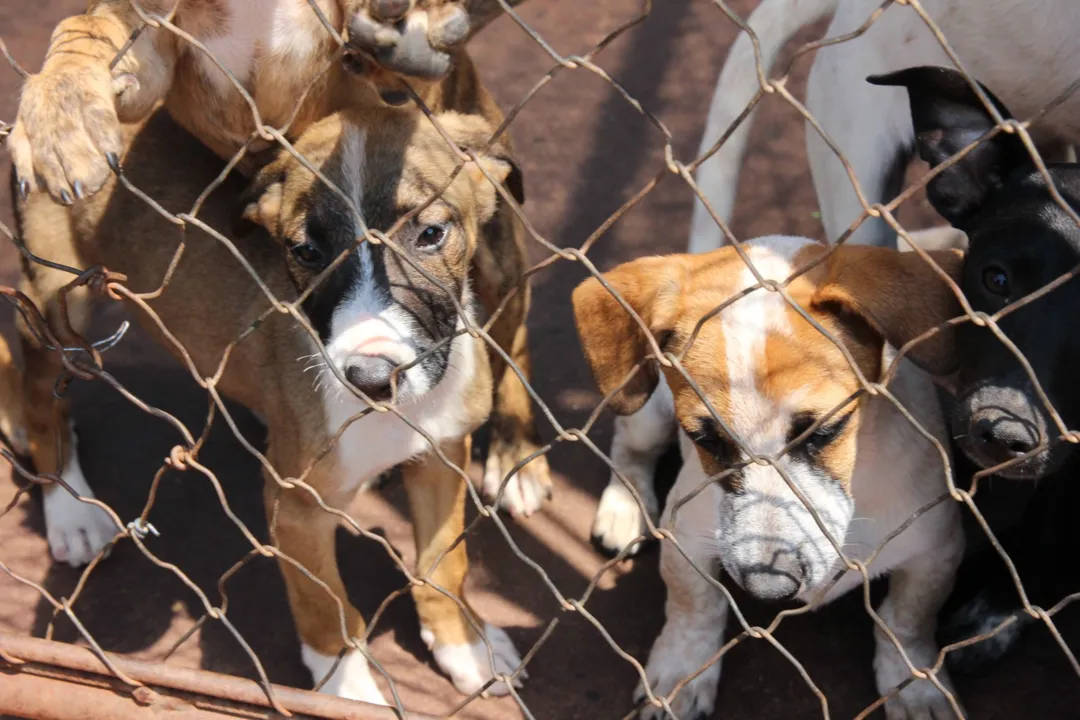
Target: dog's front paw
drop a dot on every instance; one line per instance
(77, 531)
(408, 37)
(675, 656)
(469, 666)
(349, 678)
(67, 131)
(619, 521)
(529, 487)
(920, 699)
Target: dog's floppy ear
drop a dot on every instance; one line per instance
(948, 116)
(899, 296)
(473, 132)
(260, 203)
(613, 341)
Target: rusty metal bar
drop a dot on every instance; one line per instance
(57, 681)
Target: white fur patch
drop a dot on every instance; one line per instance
(351, 678)
(77, 531)
(381, 440)
(469, 666)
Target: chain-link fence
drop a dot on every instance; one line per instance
(101, 683)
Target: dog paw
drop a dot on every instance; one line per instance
(468, 665)
(350, 679)
(408, 37)
(677, 654)
(529, 487)
(66, 131)
(619, 521)
(920, 699)
(77, 532)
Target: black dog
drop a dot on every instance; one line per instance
(1020, 240)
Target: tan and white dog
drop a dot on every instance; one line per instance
(69, 131)
(374, 311)
(770, 381)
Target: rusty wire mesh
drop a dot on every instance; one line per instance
(87, 362)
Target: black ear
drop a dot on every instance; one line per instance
(948, 116)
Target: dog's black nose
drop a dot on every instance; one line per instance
(1003, 436)
(371, 375)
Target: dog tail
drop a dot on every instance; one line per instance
(774, 22)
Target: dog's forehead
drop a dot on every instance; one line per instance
(759, 360)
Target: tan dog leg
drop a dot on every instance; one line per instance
(513, 423)
(437, 502)
(76, 531)
(304, 532)
(12, 424)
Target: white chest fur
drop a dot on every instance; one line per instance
(380, 440)
(286, 29)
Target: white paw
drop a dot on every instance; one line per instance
(677, 654)
(920, 700)
(351, 679)
(468, 665)
(526, 491)
(77, 531)
(619, 520)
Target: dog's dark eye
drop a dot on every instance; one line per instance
(819, 439)
(996, 281)
(431, 236)
(308, 255)
(707, 436)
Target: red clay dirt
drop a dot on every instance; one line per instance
(584, 151)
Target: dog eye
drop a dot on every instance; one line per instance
(996, 281)
(819, 439)
(707, 436)
(431, 236)
(308, 255)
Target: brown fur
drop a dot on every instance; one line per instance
(211, 299)
(864, 296)
(70, 114)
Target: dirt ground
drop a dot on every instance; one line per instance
(584, 151)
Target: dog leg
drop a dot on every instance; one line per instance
(304, 533)
(12, 423)
(500, 263)
(437, 503)
(917, 590)
(77, 531)
(68, 126)
(639, 441)
(872, 127)
(695, 611)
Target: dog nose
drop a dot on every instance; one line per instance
(771, 586)
(390, 10)
(370, 374)
(1004, 436)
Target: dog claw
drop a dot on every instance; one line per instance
(24, 189)
(65, 197)
(114, 161)
(77, 188)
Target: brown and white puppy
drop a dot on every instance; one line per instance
(769, 380)
(374, 312)
(69, 126)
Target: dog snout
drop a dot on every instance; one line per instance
(371, 375)
(772, 585)
(1002, 435)
(390, 10)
